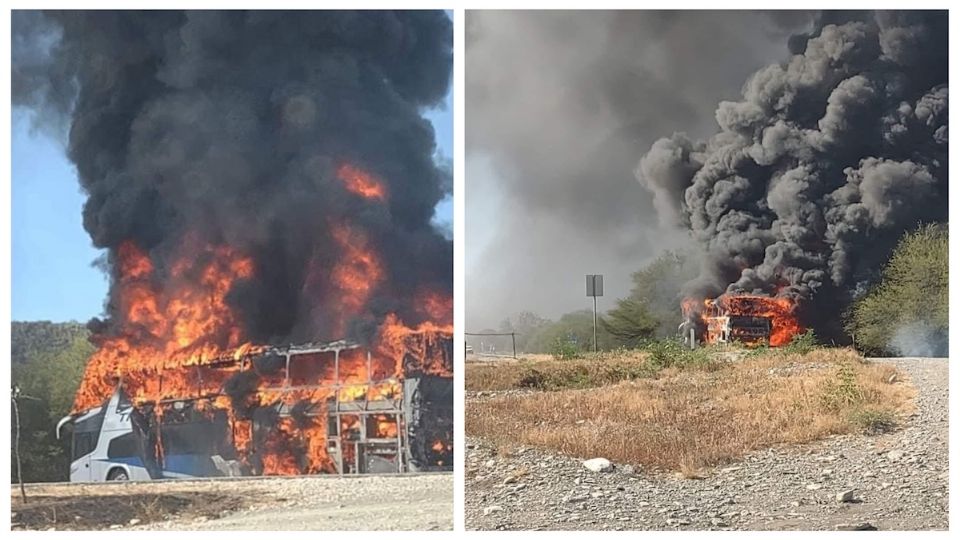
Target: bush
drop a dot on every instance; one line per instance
(580, 374)
(873, 421)
(801, 343)
(843, 391)
(533, 379)
(907, 312)
(564, 349)
(667, 353)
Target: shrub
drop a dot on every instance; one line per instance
(583, 374)
(907, 313)
(564, 349)
(667, 353)
(873, 421)
(533, 379)
(801, 343)
(843, 390)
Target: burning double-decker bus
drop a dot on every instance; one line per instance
(337, 407)
(745, 318)
(249, 222)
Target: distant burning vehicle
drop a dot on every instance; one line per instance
(745, 318)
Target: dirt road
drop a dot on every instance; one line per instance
(898, 480)
(414, 502)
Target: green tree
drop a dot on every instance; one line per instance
(907, 313)
(653, 307)
(47, 363)
(574, 328)
(630, 323)
(525, 324)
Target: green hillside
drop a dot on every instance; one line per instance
(47, 362)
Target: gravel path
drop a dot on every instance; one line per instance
(328, 503)
(407, 502)
(898, 481)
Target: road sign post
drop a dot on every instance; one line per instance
(594, 289)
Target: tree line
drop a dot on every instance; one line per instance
(905, 313)
(46, 362)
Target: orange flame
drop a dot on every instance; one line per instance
(362, 183)
(437, 307)
(357, 273)
(179, 340)
(780, 310)
(425, 342)
(183, 320)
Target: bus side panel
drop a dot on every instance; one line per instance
(133, 466)
(98, 468)
(80, 469)
(189, 466)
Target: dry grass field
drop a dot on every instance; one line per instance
(687, 418)
(541, 372)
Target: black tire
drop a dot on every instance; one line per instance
(117, 475)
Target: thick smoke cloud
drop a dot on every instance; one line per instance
(559, 105)
(820, 167)
(230, 127)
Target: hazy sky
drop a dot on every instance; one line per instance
(560, 106)
(53, 273)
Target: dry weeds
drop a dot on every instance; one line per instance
(687, 420)
(544, 373)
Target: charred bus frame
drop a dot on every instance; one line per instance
(419, 404)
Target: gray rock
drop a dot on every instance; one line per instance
(598, 465)
(492, 509)
(865, 526)
(845, 496)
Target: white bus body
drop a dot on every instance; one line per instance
(103, 446)
(107, 446)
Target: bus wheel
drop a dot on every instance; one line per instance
(118, 475)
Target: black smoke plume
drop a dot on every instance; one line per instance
(559, 105)
(230, 126)
(821, 167)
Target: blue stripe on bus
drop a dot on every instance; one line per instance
(188, 464)
(191, 464)
(134, 461)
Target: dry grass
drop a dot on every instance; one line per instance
(544, 373)
(690, 419)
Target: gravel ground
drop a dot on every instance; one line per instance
(415, 502)
(898, 481)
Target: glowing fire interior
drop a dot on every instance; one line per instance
(747, 318)
(178, 340)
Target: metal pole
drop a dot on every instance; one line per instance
(16, 450)
(513, 338)
(594, 324)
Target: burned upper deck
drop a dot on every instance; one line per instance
(336, 407)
